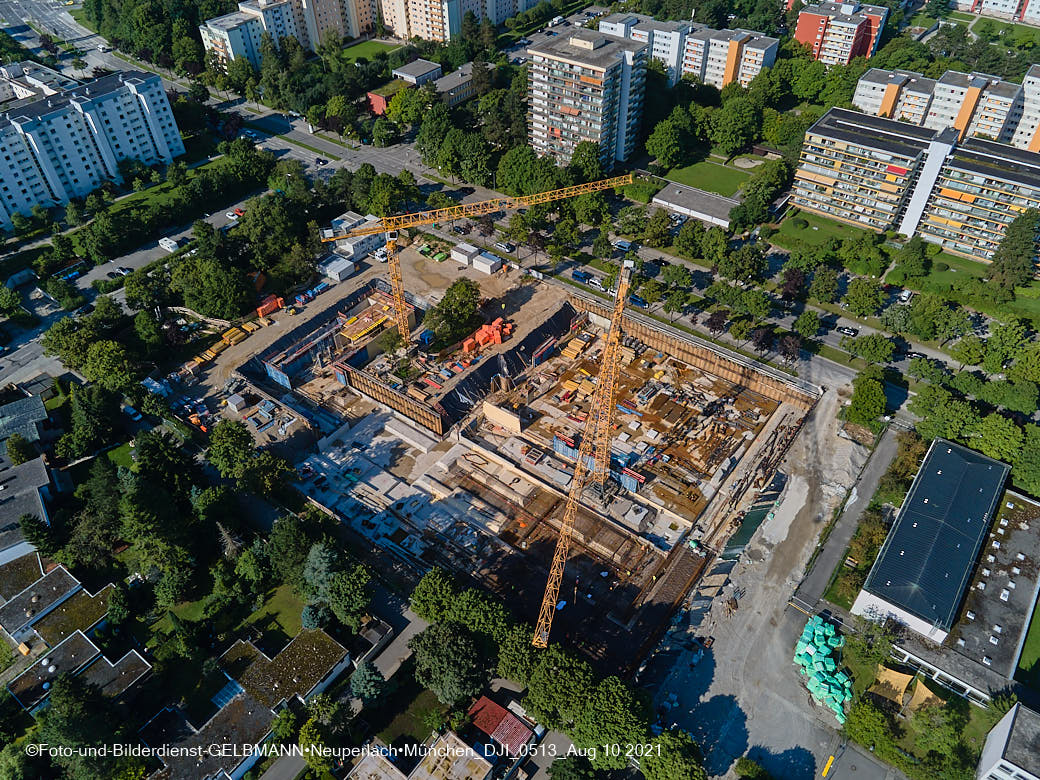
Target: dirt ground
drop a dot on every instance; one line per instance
(745, 695)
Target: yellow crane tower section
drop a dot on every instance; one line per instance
(595, 446)
(390, 226)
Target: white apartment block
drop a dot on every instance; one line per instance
(716, 57)
(28, 80)
(238, 34)
(586, 86)
(975, 104)
(1012, 749)
(1021, 10)
(1027, 134)
(65, 145)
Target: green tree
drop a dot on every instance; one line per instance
(968, 351)
(349, 596)
(735, 125)
(1012, 265)
(454, 313)
(824, 285)
(864, 297)
(10, 300)
(448, 662)
(656, 233)
(434, 597)
(807, 324)
(312, 743)
(108, 364)
(999, 438)
(611, 715)
(212, 288)
(79, 717)
(745, 264)
(868, 399)
(516, 656)
(666, 144)
(19, 449)
(675, 757)
(572, 767)
(285, 726)
(231, 448)
(558, 688)
(874, 348)
(1026, 468)
(39, 534)
(367, 683)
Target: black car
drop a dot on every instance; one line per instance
(912, 355)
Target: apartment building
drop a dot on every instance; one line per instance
(890, 175)
(29, 80)
(238, 34)
(1020, 10)
(1012, 749)
(865, 170)
(980, 189)
(838, 32)
(441, 20)
(65, 145)
(1027, 134)
(716, 57)
(975, 104)
(586, 86)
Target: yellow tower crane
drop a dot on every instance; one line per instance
(595, 442)
(391, 225)
(595, 446)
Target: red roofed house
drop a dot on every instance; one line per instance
(501, 725)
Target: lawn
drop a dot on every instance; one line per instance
(367, 50)
(282, 609)
(1029, 662)
(710, 177)
(962, 17)
(959, 267)
(121, 455)
(921, 20)
(819, 231)
(80, 15)
(408, 723)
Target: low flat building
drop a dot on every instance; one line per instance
(418, 72)
(378, 99)
(922, 571)
(708, 207)
(457, 87)
(1012, 749)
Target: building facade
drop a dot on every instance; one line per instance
(716, 57)
(1020, 10)
(975, 104)
(64, 146)
(586, 86)
(836, 33)
(238, 34)
(890, 175)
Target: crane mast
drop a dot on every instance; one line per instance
(595, 446)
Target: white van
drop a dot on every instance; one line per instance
(169, 244)
(624, 246)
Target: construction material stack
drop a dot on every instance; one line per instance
(818, 655)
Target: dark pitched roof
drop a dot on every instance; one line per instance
(929, 555)
(1023, 745)
(20, 496)
(21, 417)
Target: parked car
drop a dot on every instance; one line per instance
(906, 295)
(231, 215)
(113, 275)
(847, 331)
(131, 412)
(624, 246)
(320, 161)
(912, 355)
(124, 271)
(504, 246)
(638, 300)
(239, 212)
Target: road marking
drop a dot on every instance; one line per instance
(827, 768)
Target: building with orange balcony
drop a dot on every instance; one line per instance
(885, 174)
(586, 86)
(837, 33)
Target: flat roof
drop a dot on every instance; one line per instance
(927, 560)
(1023, 745)
(51, 588)
(416, 68)
(230, 21)
(606, 49)
(994, 620)
(113, 679)
(696, 200)
(32, 685)
(301, 665)
(873, 132)
(376, 766)
(18, 574)
(80, 611)
(984, 81)
(999, 161)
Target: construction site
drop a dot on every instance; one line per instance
(566, 440)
